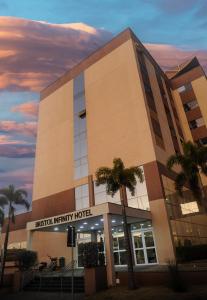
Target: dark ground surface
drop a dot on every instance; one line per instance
(119, 293)
(40, 296)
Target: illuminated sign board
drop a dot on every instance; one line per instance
(70, 217)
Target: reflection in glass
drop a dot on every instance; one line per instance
(151, 256)
(138, 240)
(80, 132)
(140, 256)
(149, 241)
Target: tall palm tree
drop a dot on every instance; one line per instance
(118, 179)
(11, 198)
(192, 162)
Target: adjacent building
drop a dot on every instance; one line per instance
(117, 102)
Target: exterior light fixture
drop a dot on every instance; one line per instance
(96, 224)
(113, 221)
(56, 229)
(92, 227)
(81, 227)
(85, 223)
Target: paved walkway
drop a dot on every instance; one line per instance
(40, 296)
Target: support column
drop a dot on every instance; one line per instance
(109, 250)
(29, 239)
(160, 219)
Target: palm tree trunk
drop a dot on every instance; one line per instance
(127, 238)
(5, 249)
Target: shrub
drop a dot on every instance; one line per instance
(26, 259)
(191, 252)
(92, 254)
(176, 282)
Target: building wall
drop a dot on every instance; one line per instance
(117, 122)
(54, 154)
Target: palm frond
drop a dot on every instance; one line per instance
(1, 217)
(195, 187)
(180, 180)
(22, 201)
(102, 175)
(3, 201)
(176, 159)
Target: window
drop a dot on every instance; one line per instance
(202, 141)
(80, 130)
(190, 105)
(189, 208)
(144, 247)
(102, 197)
(81, 197)
(119, 250)
(196, 123)
(185, 88)
(140, 199)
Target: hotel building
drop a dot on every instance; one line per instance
(117, 102)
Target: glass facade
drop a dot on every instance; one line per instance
(143, 245)
(187, 216)
(81, 197)
(80, 129)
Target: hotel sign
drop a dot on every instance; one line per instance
(70, 217)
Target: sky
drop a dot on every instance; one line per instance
(40, 40)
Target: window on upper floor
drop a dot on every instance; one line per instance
(81, 197)
(190, 105)
(196, 123)
(185, 87)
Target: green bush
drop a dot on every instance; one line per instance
(191, 252)
(92, 254)
(176, 282)
(26, 259)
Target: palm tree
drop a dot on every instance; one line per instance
(118, 179)
(10, 197)
(192, 162)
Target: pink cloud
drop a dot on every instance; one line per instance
(35, 53)
(26, 128)
(10, 150)
(169, 56)
(6, 140)
(28, 108)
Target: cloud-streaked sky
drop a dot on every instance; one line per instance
(40, 40)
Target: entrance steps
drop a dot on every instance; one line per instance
(56, 284)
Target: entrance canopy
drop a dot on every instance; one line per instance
(90, 219)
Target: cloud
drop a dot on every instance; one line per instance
(28, 108)
(17, 151)
(169, 56)
(33, 53)
(26, 128)
(173, 6)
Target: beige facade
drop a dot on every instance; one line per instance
(116, 103)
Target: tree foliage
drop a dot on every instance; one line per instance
(192, 161)
(118, 176)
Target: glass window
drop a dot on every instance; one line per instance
(151, 256)
(149, 241)
(196, 123)
(81, 197)
(80, 132)
(140, 199)
(102, 197)
(140, 259)
(190, 105)
(138, 240)
(119, 250)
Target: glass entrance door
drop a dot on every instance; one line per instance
(144, 247)
(81, 238)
